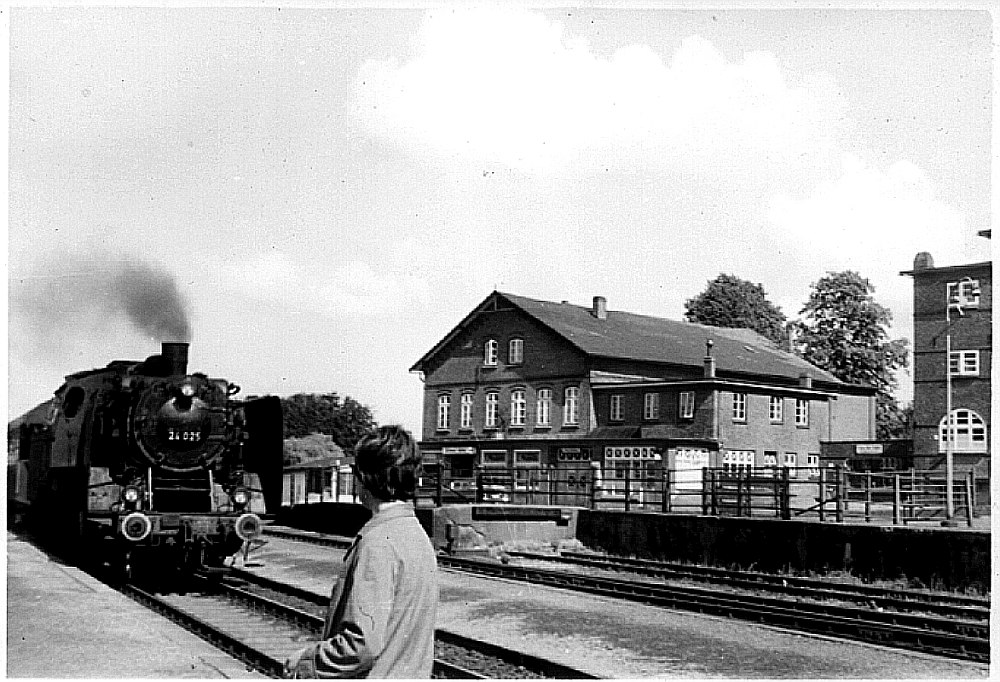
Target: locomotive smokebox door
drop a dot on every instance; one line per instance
(263, 450)
(179, 422)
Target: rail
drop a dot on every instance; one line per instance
(928, 634)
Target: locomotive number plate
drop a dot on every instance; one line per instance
(183, 436)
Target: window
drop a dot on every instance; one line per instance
(494, 458)
(518, 407)
(737, 461)
(686, 405)
(515, 352)
(73, 401)
(969, 432)
(466, 411)
(651, 406)
(490, 353)
(790, 459)
(616, 408)
(571, 413)
(964, 293)
(812, 461)
(528, 458)
(775, 409)
(544, 406)
(492, 402)
(635, 463)
(739, 407)
(964, 363)
(802, 413)
(444, 412)
(770, 458)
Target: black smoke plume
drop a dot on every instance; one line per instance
(76, 297)
(150, 299)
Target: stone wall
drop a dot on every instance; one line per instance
(932, 557)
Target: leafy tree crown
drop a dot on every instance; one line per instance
(729, 301)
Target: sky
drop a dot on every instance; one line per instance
(314, 196)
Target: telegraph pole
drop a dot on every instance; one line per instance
(949, 457)
(949, 444)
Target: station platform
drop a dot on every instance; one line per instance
(63, 623)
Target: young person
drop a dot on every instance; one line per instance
(380, 622)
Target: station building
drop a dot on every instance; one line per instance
(527, 384)
(952, 307)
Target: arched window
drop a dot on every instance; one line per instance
(969, 431)
(466, 413)
(492, 403)
(518, 407)
(571, 414)
(444, 412)
(543, 408)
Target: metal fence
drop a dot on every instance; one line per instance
(823, 494)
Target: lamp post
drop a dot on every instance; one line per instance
(949, 434)
(949, 443)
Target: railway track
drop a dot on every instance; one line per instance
(941, 636)
(939, 604)
(945, 625)
(260, 621)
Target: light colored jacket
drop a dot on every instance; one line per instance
(382, 611)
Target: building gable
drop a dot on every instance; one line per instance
(460, 356)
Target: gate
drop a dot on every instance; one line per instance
(572, 485)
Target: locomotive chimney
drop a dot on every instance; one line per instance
(176, 356)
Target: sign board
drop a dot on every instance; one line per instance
(458, 451)
(868, 448)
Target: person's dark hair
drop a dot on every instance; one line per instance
(388, 463)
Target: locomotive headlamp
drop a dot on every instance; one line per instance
(130, 494)
(136, 526)
(241, 496)
(247, 527)
(187, 390)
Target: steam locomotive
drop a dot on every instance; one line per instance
(141, 465)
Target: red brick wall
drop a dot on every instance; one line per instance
(971, 331)
(549, 362)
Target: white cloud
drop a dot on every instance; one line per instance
(348, 288)
(866, 213)
(506, 86)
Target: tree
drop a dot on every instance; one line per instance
(311, 447)
(729, 301)
(845, 333)
(308, 413)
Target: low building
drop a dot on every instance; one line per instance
(525, 384)
(325, 479)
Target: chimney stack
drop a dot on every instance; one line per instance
(709, 360)
(923, 261)
(176, 356)
(600, 310)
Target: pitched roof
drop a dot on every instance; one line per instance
(656, 339)
(653, 339)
